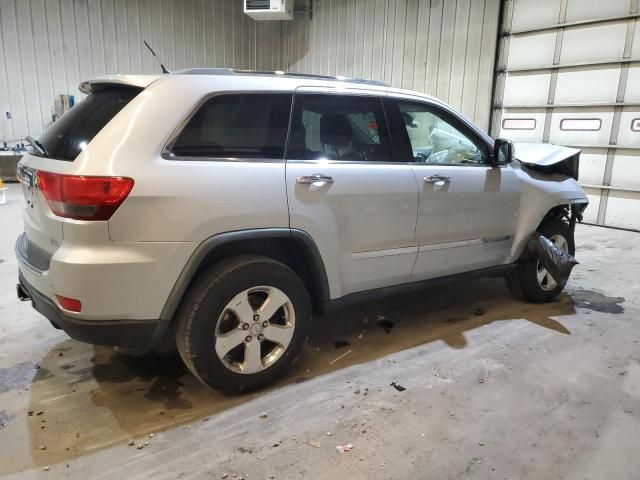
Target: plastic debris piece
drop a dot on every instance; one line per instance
(264, 415)
(344, 448)
(558, 263)
(398, 387)
(340, 357)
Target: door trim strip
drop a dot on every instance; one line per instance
(462, 243)
(383, 253)
(426, 248)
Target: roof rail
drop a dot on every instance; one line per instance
(235, 71)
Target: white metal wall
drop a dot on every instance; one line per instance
(570, 75)
(442, 47)
(47, 47)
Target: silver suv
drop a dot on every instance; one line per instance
(218, 210)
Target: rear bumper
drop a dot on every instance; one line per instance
(138, 334)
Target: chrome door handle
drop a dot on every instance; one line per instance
(315, 178)
(437, 179)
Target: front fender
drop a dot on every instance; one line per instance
(540, 193)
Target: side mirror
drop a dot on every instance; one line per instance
(502, 152)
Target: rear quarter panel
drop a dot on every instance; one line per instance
(178, 200)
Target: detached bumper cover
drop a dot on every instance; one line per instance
(138, 334)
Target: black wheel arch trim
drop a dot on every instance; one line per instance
(210, 244)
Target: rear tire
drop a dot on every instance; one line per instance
(243, 322)
(525, 280)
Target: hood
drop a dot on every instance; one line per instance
(543, 154)
(549, 158)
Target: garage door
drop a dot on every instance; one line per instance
(569, 73)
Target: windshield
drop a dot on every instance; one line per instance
(71, 134)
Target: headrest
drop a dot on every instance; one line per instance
(335, 130)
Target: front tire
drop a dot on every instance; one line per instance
(529, 280)
(243, 322)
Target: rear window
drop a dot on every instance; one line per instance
(237, 126)
(71, 134)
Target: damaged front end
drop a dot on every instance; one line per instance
(558, 263)
(553, 159)
(569, 213)
(547, 158)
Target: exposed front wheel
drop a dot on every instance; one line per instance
(243, 322)
(530, 280)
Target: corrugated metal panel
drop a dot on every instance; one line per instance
(47, 47)
(444, 48)
(572, 71)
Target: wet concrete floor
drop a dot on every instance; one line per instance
(494, 388)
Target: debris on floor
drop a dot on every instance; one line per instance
(386, 324)
(479, 312)
(340, 344)
(398, 387)
(340, 357)
(311, 444)
(344, 448)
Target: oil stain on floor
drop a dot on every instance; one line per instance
(597, 301)
(135, 395)
(21, 375)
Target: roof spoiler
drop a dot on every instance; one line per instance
(139, 81)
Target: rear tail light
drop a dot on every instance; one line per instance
(70, 304)
(83, 198)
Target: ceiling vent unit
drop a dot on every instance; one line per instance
(269, 9)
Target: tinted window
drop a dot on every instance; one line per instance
(435, 139)
(71, 134)
(338, 128)
(237, 126)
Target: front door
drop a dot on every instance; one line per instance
(345, 190)
(468, 209)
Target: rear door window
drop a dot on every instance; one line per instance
(71, 134)
(338, 127)
(237, 126)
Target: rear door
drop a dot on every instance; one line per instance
(468, 209)
(346, 191)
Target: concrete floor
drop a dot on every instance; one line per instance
(519, 392)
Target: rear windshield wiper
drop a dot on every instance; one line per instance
(38, 146)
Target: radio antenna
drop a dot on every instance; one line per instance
(164, 69)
